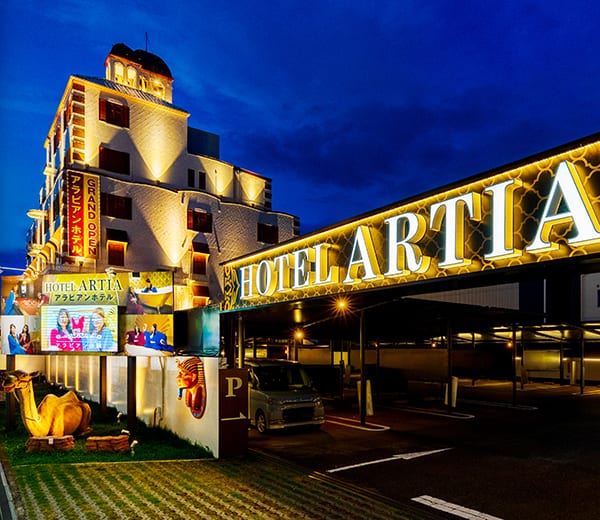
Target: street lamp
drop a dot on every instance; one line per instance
(298, 337)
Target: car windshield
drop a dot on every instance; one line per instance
(281, 377)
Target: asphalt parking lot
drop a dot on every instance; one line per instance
(535, 458)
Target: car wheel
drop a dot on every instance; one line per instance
(261, 422)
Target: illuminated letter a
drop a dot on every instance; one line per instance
(567, 192)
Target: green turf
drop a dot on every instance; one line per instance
(152, 443)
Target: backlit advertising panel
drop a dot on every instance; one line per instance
(20, 334)
(136, 307)
(147, 334)
(79, 328)
(20, 321)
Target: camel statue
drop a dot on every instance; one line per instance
(55, 416)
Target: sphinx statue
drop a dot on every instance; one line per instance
(55, 416)
(190, 380)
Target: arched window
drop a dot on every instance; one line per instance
(119, 72)
(131, 77)
(158, 89)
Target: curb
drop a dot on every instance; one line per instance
(7, 506)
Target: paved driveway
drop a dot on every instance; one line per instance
(254, 486)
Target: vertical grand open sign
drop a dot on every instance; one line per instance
(83, 214)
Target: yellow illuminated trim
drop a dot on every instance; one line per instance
(542, 211)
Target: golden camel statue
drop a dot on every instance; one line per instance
(55, 416)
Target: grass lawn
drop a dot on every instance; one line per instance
(153, 443)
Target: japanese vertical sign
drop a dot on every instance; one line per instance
(83, 214)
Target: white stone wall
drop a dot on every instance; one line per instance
(156, 390)
(159, 238)
(156, 138)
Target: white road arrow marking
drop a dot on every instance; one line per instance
(400, 456)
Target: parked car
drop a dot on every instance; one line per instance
(281, 395)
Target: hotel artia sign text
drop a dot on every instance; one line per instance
(396, 245)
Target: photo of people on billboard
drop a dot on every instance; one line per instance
(148, 335)
(149, 293)
(18, 298)
(17, 335)
(79, 328)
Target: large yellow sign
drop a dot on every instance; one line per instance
(545, 210)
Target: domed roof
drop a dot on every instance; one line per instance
(147, 60)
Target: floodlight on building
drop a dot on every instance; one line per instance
(112, 271)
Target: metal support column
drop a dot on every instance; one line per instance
(240, 340)
(11, 401)
(581, 364)
(449, 348)
(522, 367)
(363, 379)
(561, 368)
(103, 377)
(131, 394)
(514, 364)
(474, 355)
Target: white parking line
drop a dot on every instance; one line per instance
(344, 421)
(454, 509)
(427, 411)
(498, 404)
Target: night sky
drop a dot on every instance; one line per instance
(346, 105)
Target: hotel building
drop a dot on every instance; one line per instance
(129, 186)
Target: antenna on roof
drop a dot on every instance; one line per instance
(146, 41)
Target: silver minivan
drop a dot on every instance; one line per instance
(281, 395)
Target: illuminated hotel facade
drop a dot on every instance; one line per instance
(130, 187)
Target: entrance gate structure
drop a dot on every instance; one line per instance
(499, 271)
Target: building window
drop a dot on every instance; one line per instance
(199, 264)
(116, 253)
(114, 113)
(116, 242)
(131, 76)
(115, 206)
(202, 180)
(113, 161)
(158, 89)
(200, 253)
(199, 221)
(191, 178)
(119, 70)
(267, 234)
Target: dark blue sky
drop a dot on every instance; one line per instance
(346, 105)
